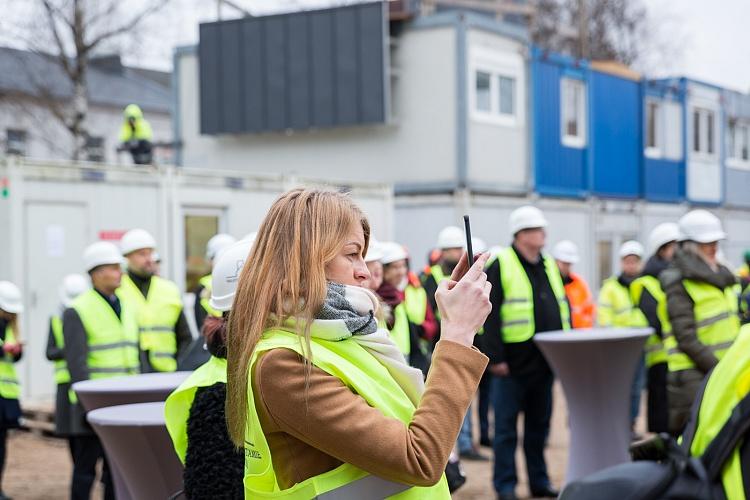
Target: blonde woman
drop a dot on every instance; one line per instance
(318, 396)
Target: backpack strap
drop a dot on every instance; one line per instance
(735, 428)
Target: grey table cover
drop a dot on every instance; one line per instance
(596, 369)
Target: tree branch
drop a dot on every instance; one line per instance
(128, 26)
(52, 21)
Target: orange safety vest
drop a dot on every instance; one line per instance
(582, 308)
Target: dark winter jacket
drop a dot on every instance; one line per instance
(687, 265)
(214, 468)
(648, 304)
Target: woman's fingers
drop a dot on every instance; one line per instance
(477, 270)
(460, 270)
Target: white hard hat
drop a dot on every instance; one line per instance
(392, 252)
(701, 226)
(661, 235)
(99, 254)
(526, 217)
(374, 251)
(631, 247)
(226, 273)
(217, 243)
(450, 237)
(566, 251)
(478, 246)
(136, 239)
(10, 298)
(72, 286)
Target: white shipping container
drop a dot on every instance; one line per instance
(49, 212)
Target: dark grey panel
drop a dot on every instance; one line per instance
(299, 71)
(251, 67)
(345, 32)
(371, 75)
(323, 65)
(209, 81)
(312, 69)
(275, 69)
(231, 90)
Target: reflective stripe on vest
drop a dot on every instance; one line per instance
(9, 386)
(157, 316)
(716, 319)
(728, 384)
(112, 341)
(62, 375)
(365, 376)
(517, 310)
(205, 297)
(655, 351)
(616, 308)
(178, 404)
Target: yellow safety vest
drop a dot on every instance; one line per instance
(716, 321)
(412, 310)
(205, 297)
(517, 310)
(9, 386)
(365, 376)
(142, 127)
(616, 309)
(112, 341)
(157, 316)
(727, 385)
(178, 404)
(655, 351)
(62, 375)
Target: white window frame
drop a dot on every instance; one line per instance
(657, 151)
(734, 157)
(497, 65)
(579, 140)
(494, 115)
(703, 114)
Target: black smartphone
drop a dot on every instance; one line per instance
(469, 250)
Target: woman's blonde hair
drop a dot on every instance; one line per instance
(284, 276)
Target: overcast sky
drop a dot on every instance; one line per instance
(713, 37)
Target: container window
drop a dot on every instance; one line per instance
(738, 144)
(94, 148)
(696, 131)
(16, 142)
(507, 95)
(704, 132)
(672, 114)
(483, 97)
(573, 112)
(198, 230)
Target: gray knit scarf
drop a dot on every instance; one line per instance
(338, 307)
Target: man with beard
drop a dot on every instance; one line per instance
(528, 297)
(163, 330)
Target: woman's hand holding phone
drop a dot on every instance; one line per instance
(464, 301)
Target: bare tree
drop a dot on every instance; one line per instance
(70, 33)
(593, 29)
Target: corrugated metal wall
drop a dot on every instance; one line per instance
(663, 179)
(615, 135)
(559, 170)
(295, 71)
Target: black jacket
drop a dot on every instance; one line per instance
(214, 468)
(522, 357)
(648, 304)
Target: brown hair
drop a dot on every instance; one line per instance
(284, 276)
